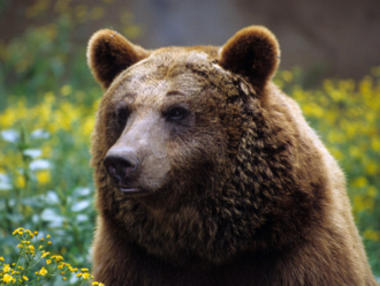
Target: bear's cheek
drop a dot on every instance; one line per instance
(196, 156)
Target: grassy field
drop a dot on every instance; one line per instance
(47, 106)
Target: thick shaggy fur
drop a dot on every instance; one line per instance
(240, 192)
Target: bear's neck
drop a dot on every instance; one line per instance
(196, 234)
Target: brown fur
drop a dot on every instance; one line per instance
(239, 192)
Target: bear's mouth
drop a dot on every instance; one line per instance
(132, 191)
(129, 190)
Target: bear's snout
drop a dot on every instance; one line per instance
(122, 165)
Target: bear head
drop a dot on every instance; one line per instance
(194, 149)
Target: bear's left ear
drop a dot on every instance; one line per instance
(252, 52)
(109, 53)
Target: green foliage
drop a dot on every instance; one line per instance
(47, 108)
(37, 62)
(45, 180)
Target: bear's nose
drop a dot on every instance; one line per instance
(121, 165)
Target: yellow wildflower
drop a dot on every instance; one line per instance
(43, 177)
(8, 279)
(86, 275)
(20, 181)
(18, 231)
(6, 268)
(43, 271)
(31, 249)
(8, 118)
(88, 126)
(57, 257)
(45, 253)
(29, 232)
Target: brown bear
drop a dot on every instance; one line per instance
(207, 174)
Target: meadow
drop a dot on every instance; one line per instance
(48, 101)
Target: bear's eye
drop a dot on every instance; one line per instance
(176, 113)
(121, 116)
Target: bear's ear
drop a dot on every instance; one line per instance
(109, 53)
(252, 52)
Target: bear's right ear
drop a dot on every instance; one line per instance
(252, 52)
(109, 53)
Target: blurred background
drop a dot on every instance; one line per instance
(330, 64)
(338, 38)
